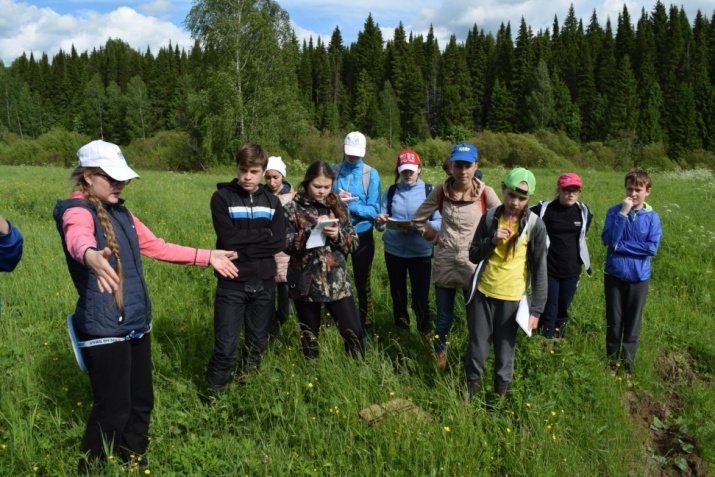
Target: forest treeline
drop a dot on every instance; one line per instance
(649, 83)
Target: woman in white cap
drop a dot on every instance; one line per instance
(102, 242)
(406, 251)
(359, 186)
(276, 181)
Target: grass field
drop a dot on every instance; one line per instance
(568, 415)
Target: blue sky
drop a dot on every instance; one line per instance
(47, 26)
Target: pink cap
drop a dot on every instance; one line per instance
(408, 160)
(569, 179)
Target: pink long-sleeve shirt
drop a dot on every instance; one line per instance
(78, 227)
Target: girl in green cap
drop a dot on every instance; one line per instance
(510, 248)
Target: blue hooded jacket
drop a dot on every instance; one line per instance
(364, 210)
(631, 242)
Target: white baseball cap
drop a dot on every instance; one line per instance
(275, 163)
(355, 144)
(108, 157)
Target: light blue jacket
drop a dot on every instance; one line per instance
(631, 242)
(407, 199)
(364, 210)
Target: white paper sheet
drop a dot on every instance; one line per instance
(523, 314)
(317, 237)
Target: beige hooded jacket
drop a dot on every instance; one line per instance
(460, 216)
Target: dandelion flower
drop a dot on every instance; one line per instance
(79, 403)
(436, 337)
(45, 343)
(528, 404)
(447, 429)
(392, 393)
(111, 457)
(548, 427)
(147, 471)
(508, 430)
(553, 413)
(552, 351)
(310, 385)
(553, 436)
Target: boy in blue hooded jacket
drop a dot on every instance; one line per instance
(632, 233)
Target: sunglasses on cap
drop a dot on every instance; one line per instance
(112, 182)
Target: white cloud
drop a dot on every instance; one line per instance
(43, 30)
(157, 7)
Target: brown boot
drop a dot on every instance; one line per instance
(441, 358)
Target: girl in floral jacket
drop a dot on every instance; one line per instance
(326, 265)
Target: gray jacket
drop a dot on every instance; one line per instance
(482, 247)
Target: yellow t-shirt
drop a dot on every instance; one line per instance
(505, 280)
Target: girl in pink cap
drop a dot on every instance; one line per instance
(567, 222)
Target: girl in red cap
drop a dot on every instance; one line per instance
(567, 222)
(406, 251)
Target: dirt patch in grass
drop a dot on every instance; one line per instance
(670, 450)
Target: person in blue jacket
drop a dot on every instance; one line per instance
(406, 251)
(359, 186)
(632, 234)
(10, 247)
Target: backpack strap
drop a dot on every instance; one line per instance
(428, 190)
(365, 177)
(390, 195)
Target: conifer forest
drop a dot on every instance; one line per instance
(648, 76)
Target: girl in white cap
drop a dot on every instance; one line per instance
(102, 242)
(359, 186)
(276, 181)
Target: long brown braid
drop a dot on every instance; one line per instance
(511, 243)
(78, 178)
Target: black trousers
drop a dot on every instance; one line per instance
(625, 302)
(343, 312)
(362, 270)
(122, 395)
(420, 271)
(284, 303)
(252, 307)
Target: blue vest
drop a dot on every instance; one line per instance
(96, 313)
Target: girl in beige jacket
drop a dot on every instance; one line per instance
(461, 200)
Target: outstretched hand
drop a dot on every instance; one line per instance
(221, 261)
(96, 261)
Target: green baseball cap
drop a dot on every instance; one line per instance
(519, 175)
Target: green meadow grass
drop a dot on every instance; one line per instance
(568, 415)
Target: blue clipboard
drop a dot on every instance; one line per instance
(75, 343)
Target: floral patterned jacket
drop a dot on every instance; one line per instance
(328, 263)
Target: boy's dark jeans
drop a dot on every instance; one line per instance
(625, 302)
(253, 307)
